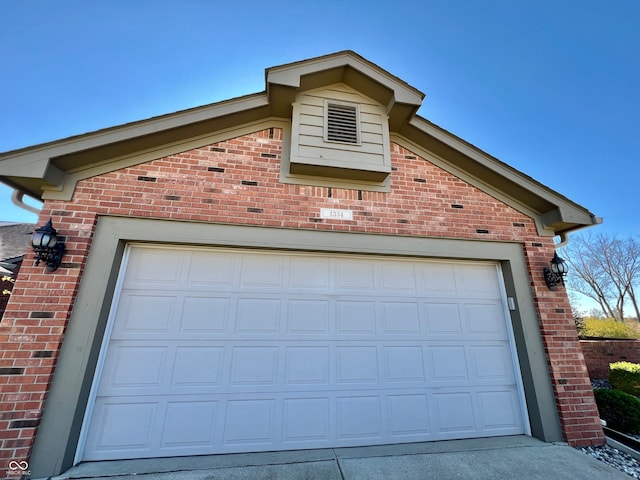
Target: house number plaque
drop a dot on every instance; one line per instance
(336, 214)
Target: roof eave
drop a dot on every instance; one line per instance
(556, 212)
(45, 166)
(41, 166)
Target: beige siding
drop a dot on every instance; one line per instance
(308, 145)
(355, 157)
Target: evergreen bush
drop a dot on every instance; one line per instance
(620, 410)
(625, 376)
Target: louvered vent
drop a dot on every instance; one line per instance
(342, 123)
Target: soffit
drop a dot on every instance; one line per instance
(555, 212)
(44, 166)
(285, 81)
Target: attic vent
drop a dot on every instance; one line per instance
(342, 123)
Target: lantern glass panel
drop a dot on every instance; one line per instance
(36, 239)
(562, 268)
(49, 240)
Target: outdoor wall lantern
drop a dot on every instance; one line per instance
(554, 276)
(47, 246)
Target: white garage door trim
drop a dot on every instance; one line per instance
(397, 349)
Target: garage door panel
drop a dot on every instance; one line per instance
(187, 366)
(499, 411)
(133, 368)
(409, 415)
(259, 351)
(123, 427)
(354, 275)
(211, 269)
(145, 314)
(262, 271)
(359, 417)
(478, 281)
(254, 365)
(485, 319)
(310, 274)
(308, 317)
(156, 268)
(398, 277)
(448, 363)
(491, 362)
(443, 319)
(438, 280)
(400, 318)
(404, 364)
(306, 419)
(155, 368)
(249, 422)
(357, 365)
(204, 316)
(258, 315)
(354, 317)
(455, 412)
(189, 423)
(307, 365)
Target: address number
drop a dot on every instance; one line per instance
(336, 214)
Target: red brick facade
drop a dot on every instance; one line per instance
(237, 181)
(598, 354)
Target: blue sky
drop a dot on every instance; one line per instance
(549, 87)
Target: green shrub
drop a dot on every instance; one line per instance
(620, 410)
(625, 376)
(580, 326)
(606, 328)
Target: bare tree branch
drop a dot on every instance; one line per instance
(605, 269)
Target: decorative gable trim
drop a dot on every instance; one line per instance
(66, 190)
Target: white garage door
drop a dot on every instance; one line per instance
(215, 351)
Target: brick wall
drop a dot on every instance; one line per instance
(598, 354)
(237, 181)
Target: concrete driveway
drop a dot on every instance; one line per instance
(518, 457)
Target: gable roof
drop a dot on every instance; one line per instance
(51, 170)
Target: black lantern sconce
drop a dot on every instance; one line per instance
(554, 275)
(47, 246)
